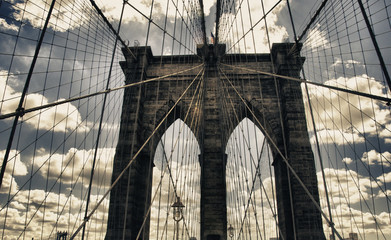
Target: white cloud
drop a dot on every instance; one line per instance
(62, 118)
(15, 167)
(352, 220)
(344, 194)
(76, 165)
(347, 160)
(276, 32)
(385, 178)
(64, 16)
(343, 117)
(185, 177)
(317, 39)
(6, 26)
(342, 186)
(337, 136)
(48, 213)
(348, 63)
(374, 158)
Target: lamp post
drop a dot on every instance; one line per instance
(231, 231)
(177, 214)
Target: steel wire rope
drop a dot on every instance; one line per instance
(361, 196)
(239, 151)
(50, 190)
(375, 44)
(362, 121)
(154, 23)
(380, 98)
(135, 156)
(345, 197)
(107, 162)
(183, 20)
(11, 63)
(231, 172)
(282, 156)
(81, 45)
(238, 155)
(35, 146)
(232, 126)
(277, 90)
(354, 15)
(235, 16)
(229, 97)
(47, 131)
(21, 187)
(136, 118)
(101, 121)
(197, 129)
(256, 23)
(314, 126)
(52, 187)
(174, 183)
(247, 146)
(4, 116)
(354, 128)
(255, 51)
(338, 216)
(374, 118)
(260, 87)
(154, 121)
(24, 92)
(259, 82)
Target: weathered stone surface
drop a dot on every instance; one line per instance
(145, 106)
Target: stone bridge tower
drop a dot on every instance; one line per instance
(145, 105)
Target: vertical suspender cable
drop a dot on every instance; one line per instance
(20, 109)
(375, 44)
(136, 120)
(101, 120)
(314, 126)
(282, 124)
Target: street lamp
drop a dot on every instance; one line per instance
(230, 231)
(177, 214)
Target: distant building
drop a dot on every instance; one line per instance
(352, 236)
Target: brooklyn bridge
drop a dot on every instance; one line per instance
(211, 120)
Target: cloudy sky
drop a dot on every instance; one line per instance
(47, 175)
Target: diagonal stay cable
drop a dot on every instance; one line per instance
(167, 163)
(134, 157)
(24, 111)
(283, 157)
(24, 92)
(255, 24)
(257, 171)
(362, 94)
(111, 27)
(157, 25)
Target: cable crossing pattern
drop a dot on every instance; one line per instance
(112, 115)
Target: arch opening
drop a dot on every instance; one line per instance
(250, 183)
(176, 173)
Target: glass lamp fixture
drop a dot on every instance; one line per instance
(177, 209)
(230, 231)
